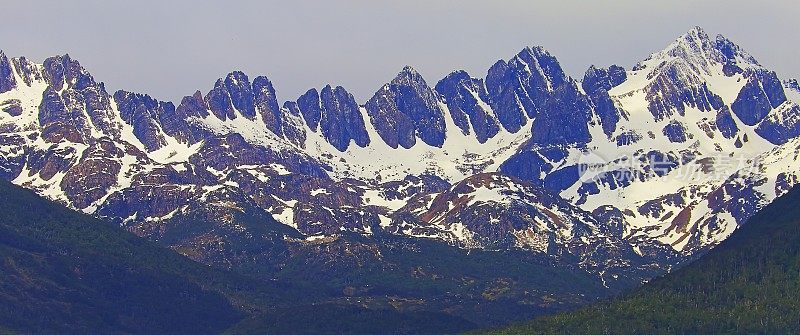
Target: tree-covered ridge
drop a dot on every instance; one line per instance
(64, 272)
(750, 284)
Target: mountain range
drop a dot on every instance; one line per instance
(607, 181)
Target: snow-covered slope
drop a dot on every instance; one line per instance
(689, 127)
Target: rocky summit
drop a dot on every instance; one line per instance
(622, 174)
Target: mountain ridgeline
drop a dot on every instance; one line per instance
(684, 147)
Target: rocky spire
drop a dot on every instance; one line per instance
(7, 81)
(407, 108)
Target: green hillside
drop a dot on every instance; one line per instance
(64, 272)
(750, 284)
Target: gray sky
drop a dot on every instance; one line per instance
(170, 48)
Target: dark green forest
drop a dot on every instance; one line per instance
(64, 272)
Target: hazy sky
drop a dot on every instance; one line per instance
(170, 48)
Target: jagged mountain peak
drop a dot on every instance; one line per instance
(406, 109)
(335, 112)
(236, 76)
(693, 71)
(536, 66)
(695, 33)
(409, 69)
(458, 75)
(62, 69)
(336, 89)
(698, 52)
(533, 51)
(7, 81)
(696, 40)
(694, 48)
(537, 58)
(409, 76)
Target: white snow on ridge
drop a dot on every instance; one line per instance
(460, 156)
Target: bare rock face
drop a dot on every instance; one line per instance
(100, 110)
(599, 78)
(310, 107)
(230, 151)
(13, 162)
(666, 98)
(413, 185)
(596, 83)
(726, 124)
(520, 88)
(336, 114)
(266, 104)
(234, 96)
(241, 93)
(466, 99)
(677, 82)
(752, 104)
(97, 171)
(7, 81)
(51, 162)
(341, 119)
(63, 71)
(11, 107)
(316, 220)
(781, 126)
(219, 101)
(73, 104)
(177, 124)
(507, 97)
(532, 85)
(564, 119)
(62, 121)
(675, 131)
(758, 97)
(143, 112)
(407, 108)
